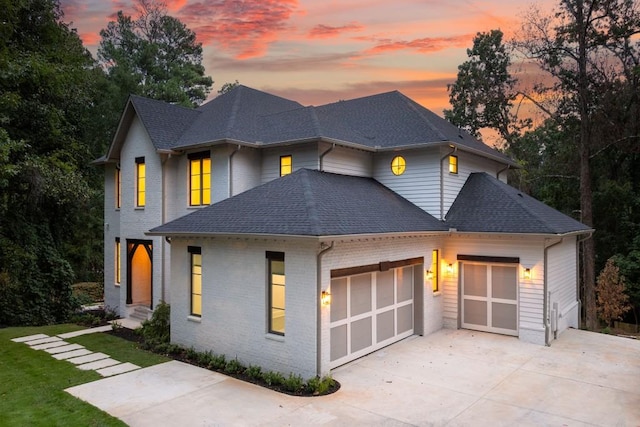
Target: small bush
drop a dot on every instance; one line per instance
(254, 372)
(218, 362)
(273, 379)
(319, 386)
(293, 384)
(157, 330)
(233, 367)
(88, 292)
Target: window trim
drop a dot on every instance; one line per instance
(273, 256)
(194, 250)
(453, 164)
(118, 263)
(435, 272)
(398, 165)
(199, 156)
(140, 162)
(290, 165)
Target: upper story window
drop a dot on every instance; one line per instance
(118, 188)
(196, 280)
(117, 261)
(141, 183)
(435, 270)
(398, 165)
(286, 165)
(200, 179)
(453, 164)
(276, 291)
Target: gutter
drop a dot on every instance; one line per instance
(545, 309)
(453, 150)
(324, 248)
(321, 158)
(506, 168)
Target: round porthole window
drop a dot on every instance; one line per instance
(398, 165)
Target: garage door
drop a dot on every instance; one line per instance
(370, 311)
(489, 297)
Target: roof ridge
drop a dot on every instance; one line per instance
(310, 202)
(317, 127)
(413, 107)
(234, 110)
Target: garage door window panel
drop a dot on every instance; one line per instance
(504, 316)
(338, 299)
(475, 280)
(405, 284)
(385, 326)
(384, 289)
(361, 332)
(339, 342)
(360, 294)
(503, 281)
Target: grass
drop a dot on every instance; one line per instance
(32, 382)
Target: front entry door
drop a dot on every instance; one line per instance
(139, 272)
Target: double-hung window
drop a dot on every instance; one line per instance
(276, 284)
(118, 188)
(141, 183)
(117, 261)
(200, 179)
(453, 164)
(286, 165)
(195, 259)
(435, 270)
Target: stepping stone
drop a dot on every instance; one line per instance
(49, 345)
(98, 364)
(117, 369)
(73, 353)
(64, 348)
(43, 341)
(30, 338)
(86, 331)
(88, 358)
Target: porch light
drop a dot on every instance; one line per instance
(527, 274)
(428, 275)
(450, 269)
(325, 298)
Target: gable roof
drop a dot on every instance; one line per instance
(308, 203)
(387, 121)
(486, 204)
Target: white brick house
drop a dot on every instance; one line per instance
(300, 238)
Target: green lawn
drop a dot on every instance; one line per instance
(32, 382)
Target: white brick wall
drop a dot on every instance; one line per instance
(111, 231)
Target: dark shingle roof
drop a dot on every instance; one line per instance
(308, 203)
(486, 204)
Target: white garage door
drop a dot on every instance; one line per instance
(490, 297)
(370, 311)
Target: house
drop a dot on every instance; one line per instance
(301, 238)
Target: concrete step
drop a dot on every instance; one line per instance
(140, 313)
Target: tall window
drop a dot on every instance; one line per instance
(196, 280)
(118, 188)
(453, 164)
(435, 270)
(117, 260)
(141, 184)
(286, 165)
(200, 179)
(275, 261)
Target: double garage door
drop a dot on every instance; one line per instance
(370, 311)
(489, 297)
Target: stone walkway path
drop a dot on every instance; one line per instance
(75, 353)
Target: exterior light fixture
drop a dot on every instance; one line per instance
(428, 275)
(325, 298)
(527, 274)
(450, 269)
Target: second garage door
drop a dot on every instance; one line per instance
(370, 311)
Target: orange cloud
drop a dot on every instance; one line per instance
(244, 27)
(326, 31)
(90, 39)
(423, 45)
(175, 5)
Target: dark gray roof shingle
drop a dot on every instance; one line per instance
(309, 203)
(486, 204)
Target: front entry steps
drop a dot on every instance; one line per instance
(140, 313)
(75, 353)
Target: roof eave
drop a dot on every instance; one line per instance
(301, 236)
(543, 235)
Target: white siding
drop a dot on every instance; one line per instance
(420, 183)
(245, 169)
(303, 156)
(562, 283)
(531, 292)
(234, 302)
(347, 161)
(111, 231)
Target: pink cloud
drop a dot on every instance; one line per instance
(244, 27)
(322, 31)
(423, 45)
(90, 39)
(175, 5)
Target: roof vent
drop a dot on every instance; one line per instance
(520, 194)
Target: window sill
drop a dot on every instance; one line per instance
(274, 337)
(194, 319)
(437, 293)
(197, 206)
(117, 285)
(139, 208)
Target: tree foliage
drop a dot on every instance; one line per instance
(46, 99)
(612, 301)
(154, 55)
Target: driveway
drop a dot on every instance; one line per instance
(451, 377)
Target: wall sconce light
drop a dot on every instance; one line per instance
(428, 275)
(527, 274)
(450, 269)
(325, 298)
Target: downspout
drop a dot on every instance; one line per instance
(324, 248)
(545, 309)
(230, 176)
(506, 168)
(321, 158)
(454, 149)
(163, 161)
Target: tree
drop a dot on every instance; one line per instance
(47, 81)
(612, 301)
(227, 87)
(154, 55)
(484, 91)
(586, 48)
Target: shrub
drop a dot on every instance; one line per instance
(273, 379)
(318, 386)
(293, 384)
(218, 362)
(254, 372)
(233, 367)
(157, 330)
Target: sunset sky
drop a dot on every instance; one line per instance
(321, 51)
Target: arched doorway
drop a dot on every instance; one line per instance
(139, 272)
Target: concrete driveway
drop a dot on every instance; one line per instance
(453, 378)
